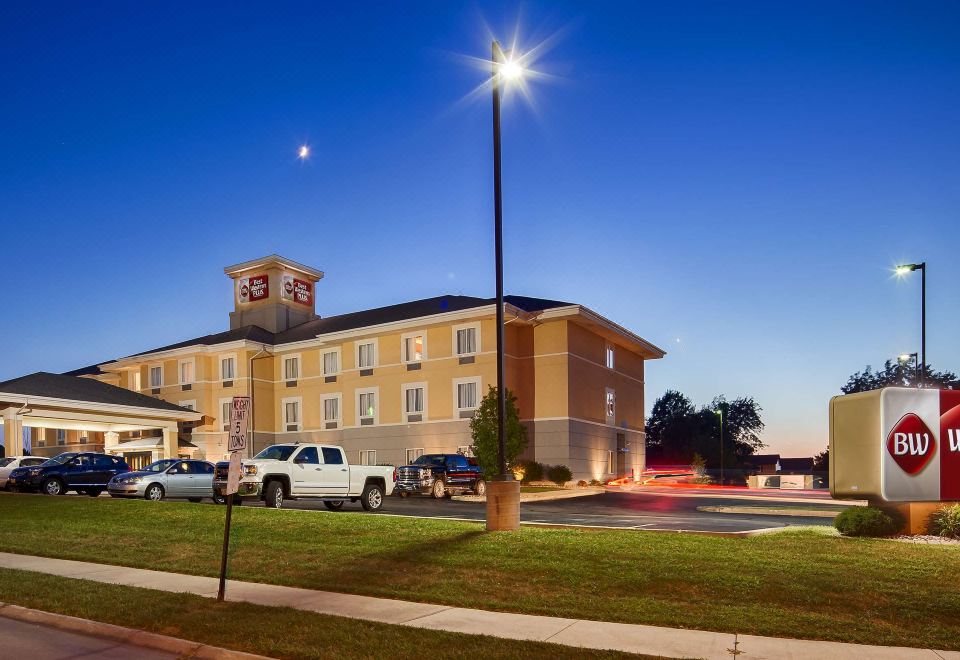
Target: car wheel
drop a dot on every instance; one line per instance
(439, 489)
(480, 488)
(219, 499)
(372, 498)
(53, 486)
(195, 500)
(94, 492)
(274, 496)
(333, 505)
(154, 493)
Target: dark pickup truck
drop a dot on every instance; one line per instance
(440, 475)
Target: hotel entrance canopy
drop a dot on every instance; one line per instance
(47, 400)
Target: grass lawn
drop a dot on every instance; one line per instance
(279, 632)
(798, 584)
(538, 489)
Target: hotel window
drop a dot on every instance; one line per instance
(414, 402)
(187, 368)
(611, 406)
(156, 377)
(82, 437)
(135, 380)
(61, 437)
(466, 339)
(610, 357)
(331, 363)
(367, 355)
(611, 462)
(291, 367)
(413, 454)
(189, 405)
(466, 396)
(291, 414)
(465, 450)
(228, 368)
(331, 412)
(226, 405)
(368, 457)
(413, 347)
(367, 407)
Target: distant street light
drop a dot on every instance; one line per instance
(902, 270)
(720, 412)
(906, 357)
(303, 152)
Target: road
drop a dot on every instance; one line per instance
(29, 640)
(628, 509)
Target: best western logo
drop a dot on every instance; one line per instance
(911, 444)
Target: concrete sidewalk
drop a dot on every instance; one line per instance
(632, 638)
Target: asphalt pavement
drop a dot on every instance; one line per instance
(29, 640)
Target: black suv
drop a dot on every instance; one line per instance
(84, 472)
(440, 475)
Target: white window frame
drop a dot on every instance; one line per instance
(189, 403)
(456, 398)
(465, 450)
(365, 460)
(338, 397)
(611, 418)
(193, 364)
(135, 382)
(224, 358)
(323, 361)
(610, 356)
(150, 375)
(417, 453)
(404, 358)
(376, 408)
(225, 422)
(283, 367)
(466, 326)
(283, 413)
(403, 401)
(376, 352)
(611, 462)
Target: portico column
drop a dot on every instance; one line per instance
(110, 440)
(170, 443)
(12, 432)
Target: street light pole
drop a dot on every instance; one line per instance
(906, 357)
(922, 267)
(720, 412)
(498, 247)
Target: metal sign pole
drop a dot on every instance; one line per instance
(236, 444)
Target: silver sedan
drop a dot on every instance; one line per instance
(169, 477)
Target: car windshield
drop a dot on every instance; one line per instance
(429, 459)
(277, 452)
(59, 459)
(160, 466)
(4, 462)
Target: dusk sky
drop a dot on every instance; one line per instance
(731, 181)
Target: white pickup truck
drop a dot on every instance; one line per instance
(308, 471)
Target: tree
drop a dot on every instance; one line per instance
(483, 429)
(897, 373)
(677, 430)
(821, 462)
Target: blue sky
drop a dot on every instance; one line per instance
(732, 181)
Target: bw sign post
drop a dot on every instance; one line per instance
(236, 444)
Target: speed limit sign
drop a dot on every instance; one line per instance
(239, 414)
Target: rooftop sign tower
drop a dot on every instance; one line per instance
(272, 292)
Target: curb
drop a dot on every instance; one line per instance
(142, 638)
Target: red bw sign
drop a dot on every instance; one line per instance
(297, 290)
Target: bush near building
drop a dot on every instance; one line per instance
(532, 471)
(868, 521)
(559, 474)
(946, 522)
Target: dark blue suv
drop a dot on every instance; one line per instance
(84, 472)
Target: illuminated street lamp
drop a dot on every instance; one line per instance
(504, 69)
(303, 152)
(719, 412)
(906, 357)
(902, 270)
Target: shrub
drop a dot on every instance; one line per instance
(868, 521)
(559, 474)
(945, 521)
(582, 483)
(532, 471)
(596, 482)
